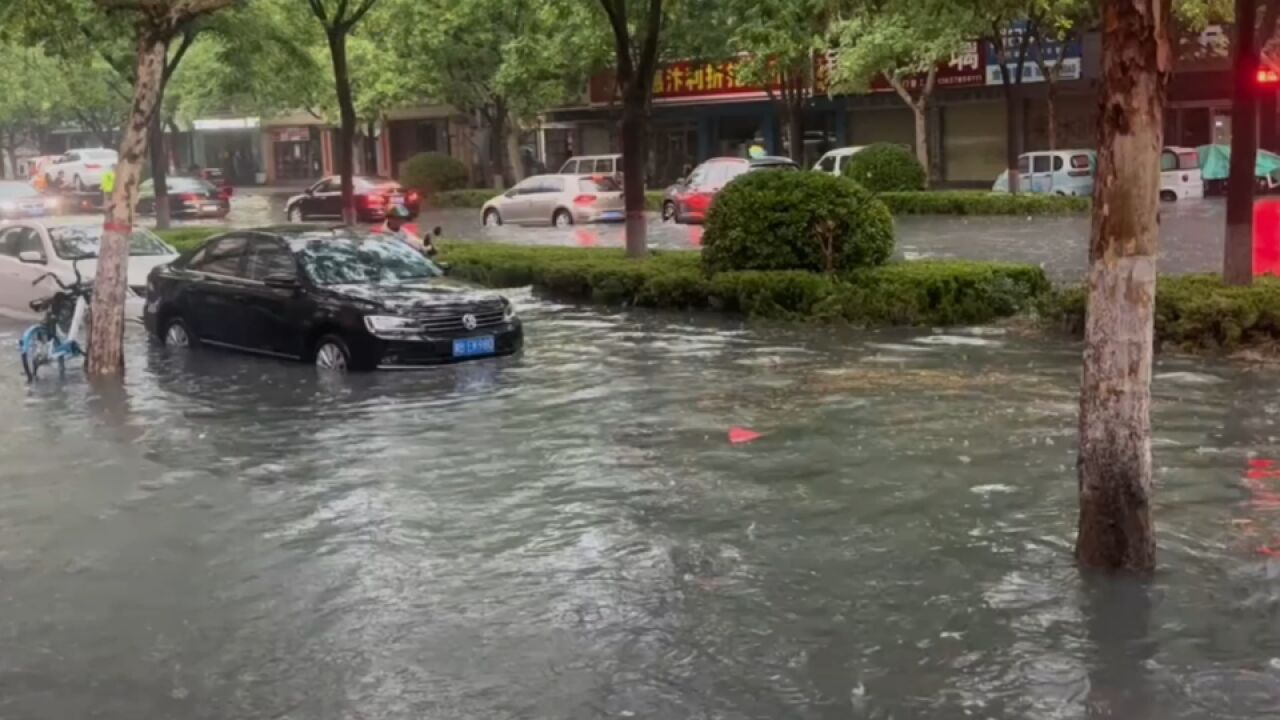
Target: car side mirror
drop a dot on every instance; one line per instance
(31, 257)
(281, 282)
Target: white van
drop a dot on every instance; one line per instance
(1180, 177)
(833, 162)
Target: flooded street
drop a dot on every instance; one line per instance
(569, 534)
(1190, 234)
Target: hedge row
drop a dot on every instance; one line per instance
(1193, 312)
(963, 202)
(916, 293)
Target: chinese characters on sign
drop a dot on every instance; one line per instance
(964, 69)
(686, 79)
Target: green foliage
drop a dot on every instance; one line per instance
(897, 38)
(925, 293)
(963, 202)
(885, 167)
(796, 221)
(430, 173)
(187, 238)
(1193, 312)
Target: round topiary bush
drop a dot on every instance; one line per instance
(777, 220)
(430, 173)
(884, 167)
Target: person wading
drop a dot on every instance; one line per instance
(397, 225)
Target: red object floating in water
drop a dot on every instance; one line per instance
(739, 436)
(586, 238)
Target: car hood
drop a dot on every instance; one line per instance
(410, 296)
(140, 266)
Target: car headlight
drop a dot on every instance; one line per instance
(391, 325)
(509, 312)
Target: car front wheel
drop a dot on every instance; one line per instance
(176, 335)
(492, 218)
(668, 211)
(332, 354)
(294, 214)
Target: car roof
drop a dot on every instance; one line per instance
(606, 156)
(772, 160)
(847, 150)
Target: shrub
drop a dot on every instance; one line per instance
(962, 202)
(796, 221)
(884, 167)
(1193, 312)
(188, 238)
(917, 293)
(430, 173)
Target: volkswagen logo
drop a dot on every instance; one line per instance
(469, 321)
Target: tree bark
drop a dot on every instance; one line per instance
(920, 111)
(347, 111)
(106, 336)
(1115, 526)
(795, 127)
(1237, 257)
(634, 129)
(1051, 108)
(159, 162)
(511, 145)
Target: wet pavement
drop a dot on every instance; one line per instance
(569, 534)
(1190, 235)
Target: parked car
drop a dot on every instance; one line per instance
(188, 198)
(82, 169)
(560, 200)
(594, 165)
(19, 200)
(373, 195)
(32, 248)
(1053, 172)
(1180, 176)
(215, 177)
(693, 199)
(337, 297)
(833, 162)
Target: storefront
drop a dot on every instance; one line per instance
(294, 154)
(231, 144)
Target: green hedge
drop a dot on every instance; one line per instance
(917, 293)
(962, 202)
(796, 221)
(885, 167)
(1193, 312)
(432, 173)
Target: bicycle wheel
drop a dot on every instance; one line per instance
(35, 348)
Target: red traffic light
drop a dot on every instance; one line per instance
(1267, 76)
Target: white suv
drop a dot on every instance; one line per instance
(81, 169)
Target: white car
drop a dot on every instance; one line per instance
(1180, 176)
(82, 169)
(833, 162)
(31, 249)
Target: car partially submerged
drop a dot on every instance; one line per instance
(337, 297)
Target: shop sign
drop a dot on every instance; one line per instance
(288, 135)
(1069, 54)
(964, 69)
(688, 79)
(226, 124)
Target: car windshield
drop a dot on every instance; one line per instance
(16, 190)
(352, 261)
(82, 241)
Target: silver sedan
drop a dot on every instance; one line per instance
(559, 200)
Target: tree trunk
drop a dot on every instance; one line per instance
(1115, 526)
(795, 122)
(1051, 95)
(498, 164)
(106, 337)
(921, 112)
(511, 144)
(13, 156)
(634, 129)
(347, 112)
(1237, 257)
(159, 163)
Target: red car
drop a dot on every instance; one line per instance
(693, 197)
(373, 195)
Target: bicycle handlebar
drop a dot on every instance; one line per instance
(77, 285)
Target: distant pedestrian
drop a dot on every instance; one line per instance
(108, 184)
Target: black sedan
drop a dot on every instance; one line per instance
(372, 195)
(188, 198)
(337, 297)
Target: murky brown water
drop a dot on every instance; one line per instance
(569, 534)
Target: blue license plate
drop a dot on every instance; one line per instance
(473, 346)
(611, 215)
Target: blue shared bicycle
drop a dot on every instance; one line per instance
(55, 339)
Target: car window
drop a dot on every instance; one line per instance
(1024, 164)
(1040, 164)
(1058, 163)
(20, 239)
(605, 166)
(71, 157)
(1168, 161)
(269, 257)
(729, 171)
(526, 186)
(570, 167)
(1188, 160)
(325, 186)
(1080, 162)
(222, 257)
(827, 164)
(550, 184)
(699, 176)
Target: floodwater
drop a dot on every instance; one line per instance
(1190, 234)
(569, 534)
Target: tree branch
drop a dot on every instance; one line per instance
(188, 37)
(617, 15)
(653, 33)
(360, 12)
